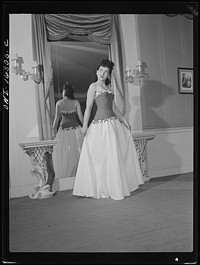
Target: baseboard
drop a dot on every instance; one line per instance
(21, 191)
(162, 172)
(63, 184)
(59, 184)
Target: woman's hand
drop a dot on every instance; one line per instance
(83, 130)
(127, 125)
(121, 117)
(53, 135)
(54, 132)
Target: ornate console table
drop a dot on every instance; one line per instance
(40, 154)
(140, 141)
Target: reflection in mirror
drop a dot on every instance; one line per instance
(67, 131)
(75, 59)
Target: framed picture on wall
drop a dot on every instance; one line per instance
(185, 80)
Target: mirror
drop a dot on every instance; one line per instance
(75, 59)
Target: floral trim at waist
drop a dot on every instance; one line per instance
(108, 119)
(69, 128)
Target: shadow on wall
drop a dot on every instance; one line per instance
(127, 105)
(153, 96)
(163, 157)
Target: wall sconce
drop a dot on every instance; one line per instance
(37, 74)
(136, 73)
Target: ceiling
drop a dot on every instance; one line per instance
(76, 61)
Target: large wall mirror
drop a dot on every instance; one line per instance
(75, 59)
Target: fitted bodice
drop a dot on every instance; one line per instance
(69, 120)
(104, 101)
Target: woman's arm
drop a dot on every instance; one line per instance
(120, 116)
(79, 111)
(57, 118)
(89, 104)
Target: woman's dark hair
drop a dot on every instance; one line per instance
(110, 65)
(68, 90)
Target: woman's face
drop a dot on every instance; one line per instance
(102, 73)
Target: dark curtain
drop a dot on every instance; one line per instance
(44, 91)
(116, 55)
(96, 26)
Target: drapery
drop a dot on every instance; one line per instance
(116, 55)
(44, 91)
(96, 26)
(101, 28)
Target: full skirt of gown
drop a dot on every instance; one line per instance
(108, 165)
(66, 152)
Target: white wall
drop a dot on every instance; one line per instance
(22, 107)
(166, 43)
(171, 152)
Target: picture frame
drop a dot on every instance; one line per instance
(185, 80)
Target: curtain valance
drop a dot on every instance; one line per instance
(96, 26)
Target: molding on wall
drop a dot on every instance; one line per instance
(169, 130)
(21, 191)
(63, 184)
(59, 185)
(162, 172)
(168, 166)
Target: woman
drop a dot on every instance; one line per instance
(69, 137)
(108, 165)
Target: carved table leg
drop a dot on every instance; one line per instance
(140, 145)
(146, 177)
(50, 169)
(38, 160)
(41, 180)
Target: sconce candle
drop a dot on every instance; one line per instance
(137, 73)
(128, 70)
(35, 67)
(15, 60)
(139, 65)
(36, 76)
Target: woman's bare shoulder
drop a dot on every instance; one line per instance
(92, 87)
(77, 102)
(59, 102)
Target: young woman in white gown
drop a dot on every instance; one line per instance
(66, 125)
(108, 165)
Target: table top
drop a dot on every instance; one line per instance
(138, 135)
(38, 143)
